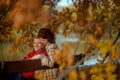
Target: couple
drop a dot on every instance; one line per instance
(43, 48)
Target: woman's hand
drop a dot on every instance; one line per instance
(35, 57)
(44, 61)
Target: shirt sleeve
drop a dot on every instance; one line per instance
(50, 50)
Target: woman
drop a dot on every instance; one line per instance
(47, 38)
(37, 52)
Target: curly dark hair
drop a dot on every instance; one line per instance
(46, 33)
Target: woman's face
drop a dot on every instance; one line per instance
(43, 41)
(37, 44)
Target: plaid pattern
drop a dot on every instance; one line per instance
(49, 74)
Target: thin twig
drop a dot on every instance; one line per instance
(86, 27)
(118, 35)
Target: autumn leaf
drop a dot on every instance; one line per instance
(112, 77)
(74, 16)
(24, 12)
(91, 39)
(98, 77)
(65, 57)
(83, 75)
(110, 67)
(105, 46)
(73, 75)
(39, 76)
(96, 70)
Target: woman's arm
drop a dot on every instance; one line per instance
(50, 48)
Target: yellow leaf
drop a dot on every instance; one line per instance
(105, 47)
(74, 16)
(98, 77)
(100, 44)
(112, 77)
(109, 42)
(73, 75)
(110, 67)
(83, 75)
(39, 76)
(104, 50)
(96, 70)
(114, 53)
(91, 39)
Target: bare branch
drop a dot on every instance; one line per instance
(117, 37)
(86, 27)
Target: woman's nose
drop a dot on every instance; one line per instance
(40, 40)
(35, 44)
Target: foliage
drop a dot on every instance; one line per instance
(108, 69)
(95, 22)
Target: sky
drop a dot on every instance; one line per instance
(64, 3)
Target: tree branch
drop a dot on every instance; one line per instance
(86, 27)
(117, 37)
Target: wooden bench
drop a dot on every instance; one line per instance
(8, 69)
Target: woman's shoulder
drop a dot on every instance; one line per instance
(51, 46)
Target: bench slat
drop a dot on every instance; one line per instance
(22, 65)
